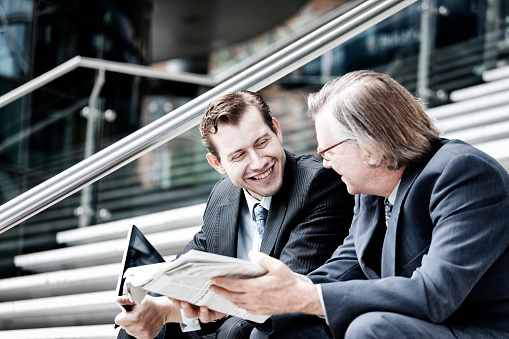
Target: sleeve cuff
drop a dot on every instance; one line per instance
(189, 324)
(320, 295)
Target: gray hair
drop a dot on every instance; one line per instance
(379, 114)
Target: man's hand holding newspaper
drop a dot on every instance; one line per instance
(188, 279)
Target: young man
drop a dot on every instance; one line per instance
(309, 208)
(428, 251)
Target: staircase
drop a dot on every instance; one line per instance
(479, 115)
(72, 291)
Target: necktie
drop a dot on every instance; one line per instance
(388, 211)
(260, 215)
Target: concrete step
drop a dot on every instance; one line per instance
(482, 134)
(496, 74)
(498, 149)
(480, 115)
(76, 281)
(67, 332)
(97, 308)
(471, 120)
(105, 252)
(470, 106)
(73, 294)
(480, 90)
(150, 223)
(477, 120)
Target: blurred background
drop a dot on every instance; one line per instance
(438, 49)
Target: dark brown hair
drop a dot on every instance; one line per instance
(228, 110)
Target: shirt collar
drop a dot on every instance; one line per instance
(251, 201)
(392, 197)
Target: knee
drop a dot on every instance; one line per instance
(257, 334)
(368, 325)
(234, 328)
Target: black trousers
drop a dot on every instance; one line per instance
(230, 328)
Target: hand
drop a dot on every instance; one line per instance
(202, 312)
(277, 292)
(146, 319)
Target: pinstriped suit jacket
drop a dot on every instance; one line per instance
(308, 218)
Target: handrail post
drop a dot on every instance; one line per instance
(491, 35)
(85, 210)
(423, 70)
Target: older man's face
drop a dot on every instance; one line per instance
(348, 159)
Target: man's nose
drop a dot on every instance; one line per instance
(326, 163)
(257, 159)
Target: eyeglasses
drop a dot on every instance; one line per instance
(322, 152)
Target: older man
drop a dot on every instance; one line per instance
(428, 251)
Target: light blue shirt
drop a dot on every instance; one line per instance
(248, 238)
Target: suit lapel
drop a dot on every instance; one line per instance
(279, 206)
(367, 239)
(225, 238)
(389, 247)
(407, 180)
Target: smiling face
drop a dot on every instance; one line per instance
(251, 154)
(351, 161)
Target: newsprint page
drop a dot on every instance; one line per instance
(188, 279)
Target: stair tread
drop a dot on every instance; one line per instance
(149, 223)
(67, 332)
(169, 242)
(80, 280)
(480, 90)
(471, 105)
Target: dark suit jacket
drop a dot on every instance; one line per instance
(308, 218)
(445, 256)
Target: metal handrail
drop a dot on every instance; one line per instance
(112, 66)
(364, 15)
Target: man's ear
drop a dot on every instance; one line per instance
(275, 123)
(214, 162)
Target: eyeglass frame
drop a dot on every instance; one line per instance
(321, 153)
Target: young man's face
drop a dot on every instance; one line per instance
(251, 154)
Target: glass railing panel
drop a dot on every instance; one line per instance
(41, 135)
(45, 133)
(174, 174)
(16, 21)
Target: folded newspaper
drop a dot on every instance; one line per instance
(188, 279)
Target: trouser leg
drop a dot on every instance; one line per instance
(391, 325)
(304, 330)
(173, 331)
(234, 328)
